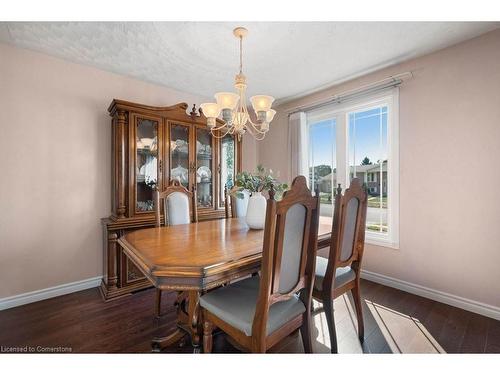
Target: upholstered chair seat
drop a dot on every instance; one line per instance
(236, 303)
(343, 275)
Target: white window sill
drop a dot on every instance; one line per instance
(383, 242)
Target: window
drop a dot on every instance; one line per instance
(359, 140)
(368, 153)
(322, 147)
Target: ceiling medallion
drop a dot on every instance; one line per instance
(232, 107)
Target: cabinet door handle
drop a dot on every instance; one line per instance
(160, 166)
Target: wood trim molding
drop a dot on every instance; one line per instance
(118, 103)
(58, 290)
(433, 294)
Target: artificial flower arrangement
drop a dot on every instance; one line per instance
(261, 180)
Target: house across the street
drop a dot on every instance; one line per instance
(369, 174)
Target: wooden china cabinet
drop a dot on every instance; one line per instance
(150, 146)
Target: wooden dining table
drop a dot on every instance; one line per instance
(194, 258)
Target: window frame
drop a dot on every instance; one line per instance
(340, 112)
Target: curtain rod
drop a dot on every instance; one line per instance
(391, 81)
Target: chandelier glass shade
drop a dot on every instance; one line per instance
(232, 109)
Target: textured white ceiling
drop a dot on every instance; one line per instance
(283, 59)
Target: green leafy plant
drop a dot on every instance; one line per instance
(261, 180)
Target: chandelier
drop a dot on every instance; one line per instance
(232, 107)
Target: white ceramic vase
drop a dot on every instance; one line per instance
(256, 211)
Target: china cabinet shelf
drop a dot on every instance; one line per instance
(204, 157)
(146, 151)
(180, 152)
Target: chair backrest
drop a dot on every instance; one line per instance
(289, 251)
(179, 205)
(348, 231)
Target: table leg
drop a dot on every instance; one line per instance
(188, 323)
(163, 342)
(194, 319)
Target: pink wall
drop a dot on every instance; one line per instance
(449, 170)
(55, 165)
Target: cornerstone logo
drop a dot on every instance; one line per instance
(35, 349)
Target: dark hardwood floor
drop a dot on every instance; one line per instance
(395, 321)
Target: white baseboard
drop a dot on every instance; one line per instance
(450, 299)
(436, 295)
(39, 295)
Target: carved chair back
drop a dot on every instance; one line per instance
(179, 205)
(289, 250)
(348, 231)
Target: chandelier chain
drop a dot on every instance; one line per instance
(241, 54)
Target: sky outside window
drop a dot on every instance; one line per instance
(368, 135)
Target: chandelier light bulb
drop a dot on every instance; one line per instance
(210, 110)
(261, 102)
(269, 116)
(227, 100)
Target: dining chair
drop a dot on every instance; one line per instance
(340, 273)
(235, 207)
(179, 207)
(258, 312)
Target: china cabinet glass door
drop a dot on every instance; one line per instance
(146, 138)
(204, 170)
(227, 154)
(179, 154)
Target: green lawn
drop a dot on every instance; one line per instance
(325, 198)
(376, 227)
(374, 202)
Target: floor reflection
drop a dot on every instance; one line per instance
(403, 333)
(386, 330)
